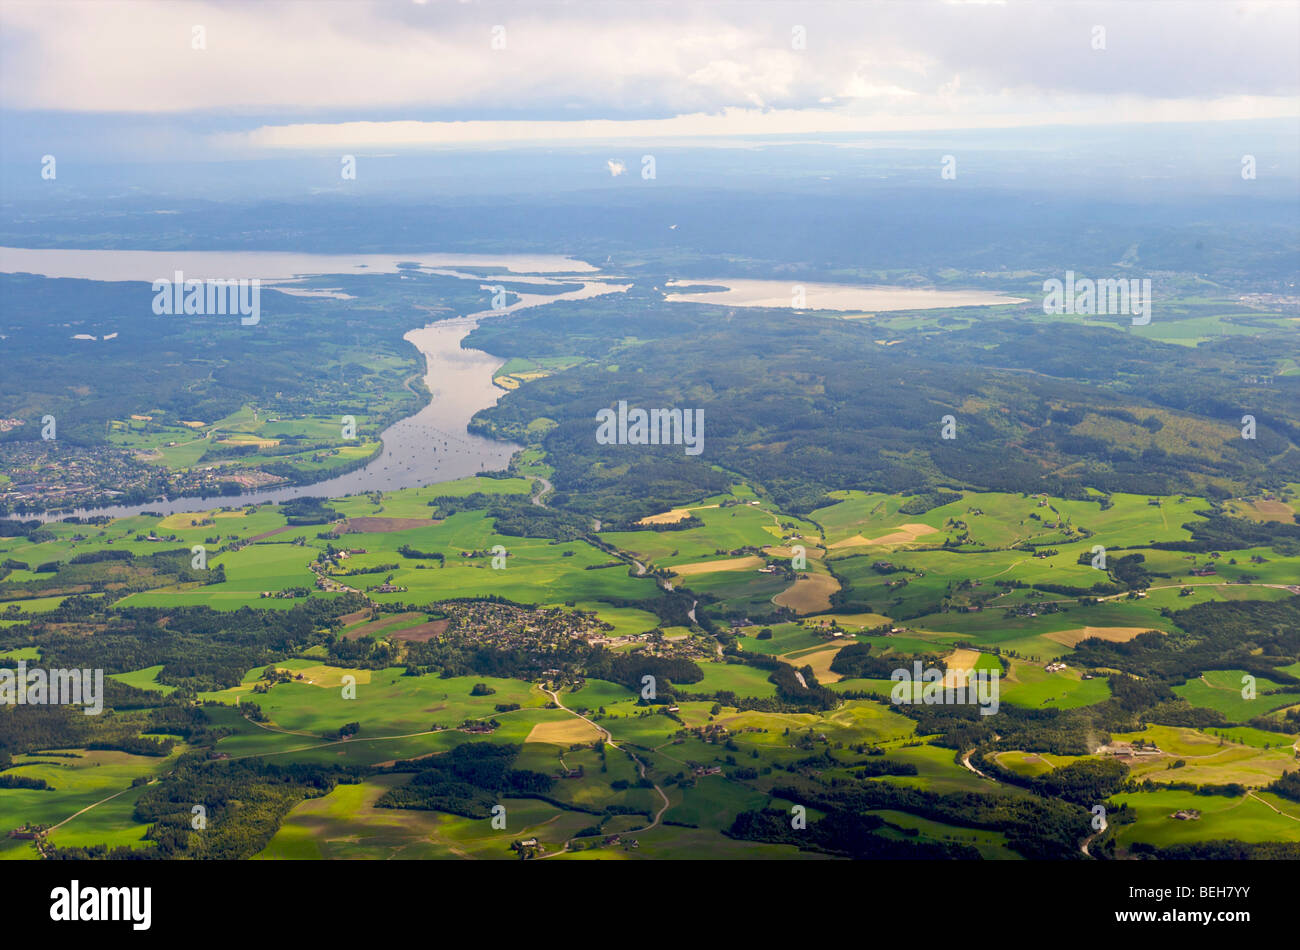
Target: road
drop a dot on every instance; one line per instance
(1293, 588)
(542, 492)
(1251, 794)
(609, 741)
(1089, 840)
(109, 799)
(965, 760)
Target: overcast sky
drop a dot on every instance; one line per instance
(347, 73)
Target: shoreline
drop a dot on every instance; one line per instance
(460, 384)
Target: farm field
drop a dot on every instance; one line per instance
(1247, 819)
(972, 605)
(1223, 690)
(346, 824)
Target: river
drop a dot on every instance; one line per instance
(433, 445)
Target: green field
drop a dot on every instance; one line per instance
(948, 599)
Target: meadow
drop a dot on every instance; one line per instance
(951, 605)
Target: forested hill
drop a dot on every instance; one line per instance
(804, 404)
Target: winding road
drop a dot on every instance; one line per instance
(609, 741)
(1083, 845)
(542, 492)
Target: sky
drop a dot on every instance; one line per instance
(141, 79)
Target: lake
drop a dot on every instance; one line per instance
(433, 445)
(747, 292)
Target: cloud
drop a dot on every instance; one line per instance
(276, 72)
(729, 123)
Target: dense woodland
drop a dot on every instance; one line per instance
(803, 405)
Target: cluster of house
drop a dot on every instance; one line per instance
(527, 848)
(1055, 667)
(1125, 749)
(539, 630)
(712, 733)
(36, 835)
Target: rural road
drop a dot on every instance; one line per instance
(254, 755)
(609, 740)
(123, 792)
(965, 760)
(1293, 588)
(545, 490)
(1089, 840)
(1251, 793)
(1083, 846)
